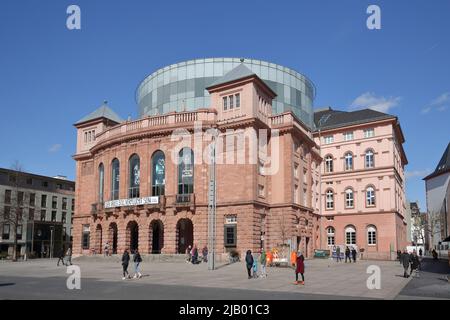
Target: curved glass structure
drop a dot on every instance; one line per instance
(181, 87)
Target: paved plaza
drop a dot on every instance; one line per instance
(102, 279)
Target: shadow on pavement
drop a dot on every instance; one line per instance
(7, 284)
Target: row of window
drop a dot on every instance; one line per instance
(31, 213)
(348, 136)
(350, 235)
(32, 200)
(369, 161)
(158, 180)
(89, 136)
(350, 198)
(45, 184)
(7, 230)
(232, 101)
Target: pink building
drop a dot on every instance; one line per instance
(362, 181)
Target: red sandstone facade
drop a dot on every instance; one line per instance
(261, 203)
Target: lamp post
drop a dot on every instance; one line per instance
(52, 228)
(212, 206)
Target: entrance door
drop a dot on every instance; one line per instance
(185, 234)
(157, 236)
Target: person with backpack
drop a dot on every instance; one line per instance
(249, 263)
(125, 262)
(61, 257)
(137, 260)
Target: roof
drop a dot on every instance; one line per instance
(240, 72)
(443, 165)
(330, 119)
(102, 112)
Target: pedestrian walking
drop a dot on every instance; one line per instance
(249, 263)
(434, 254)
(194, 255)
(399, 255)
(420, 252)
(255, 268)
(300, 269)
(61, 257)
(347, 254)
(188, 254)
(137, 260)
(125, 262)
(354, 254)
(107, 249)
(263, 261)
(415, 263)
(406, 259)
(69, 256)
(205, 254)
(338, 254)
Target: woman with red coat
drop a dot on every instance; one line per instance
(300, 268)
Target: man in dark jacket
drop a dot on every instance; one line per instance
(415, 262)
(354, 254)
(61, 257)
(249, 263)
(347, 255)
(405, 259)
(125, 262)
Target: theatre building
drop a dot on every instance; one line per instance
(146, 183)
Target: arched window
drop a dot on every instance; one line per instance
(330, 236)
(370, 196)
(329, 163)
(115, 179)
(101, 182)
(134, 174)
(329, 199)
(349, 198)
(371, 236)
(348, 161)
(158, 173)
(350, 235)
(369, 159)
(186, 171)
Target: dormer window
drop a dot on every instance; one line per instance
(231, 102)
(231, 99)
(225, 103)
(238, 100)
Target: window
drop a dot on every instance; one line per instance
(329, 199)
(115, 179)
(54, 202)
(371, 236)
(328, 139)
(64, 203)
(19, 232)
(101, 182)
(133, 190)
(7, 196)
(369, 133)
(330, 236)
(230, 235)
(29, 181)
(225, 103)
(53, 216)
(43, 215)
(370, 196)
(7, 213)
(348, 160)
(330, 218)
(186, 171)
(348, 136)
(73, 205)
(20, 197)
(369, 159)
(5, 233)
(44, 201)
(349, 199)
(85, 237)
(261, 190)
(64, 217)
(238, 100)
(231, 100)
(305, 174)
(304, 197)
(350, 235)
(45, 184)
(296, 170)
(296, 194)
(31, 214)
(32, 199)
(328, 164)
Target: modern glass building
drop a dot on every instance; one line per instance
(181, 87)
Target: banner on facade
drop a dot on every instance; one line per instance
(131, 202)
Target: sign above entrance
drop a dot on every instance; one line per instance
(131, 202)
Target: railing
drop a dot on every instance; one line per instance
(184, 198)
(157, 121)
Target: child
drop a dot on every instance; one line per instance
(255, 268)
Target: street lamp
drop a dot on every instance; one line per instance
(52, 228)
(212, 205)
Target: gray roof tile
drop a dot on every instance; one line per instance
(240, 72)
(103, 112)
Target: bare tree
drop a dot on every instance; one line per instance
(12, 213)
(435, 225)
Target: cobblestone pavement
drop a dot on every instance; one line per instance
(101, 278)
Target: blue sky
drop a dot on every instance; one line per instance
(51, 77)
